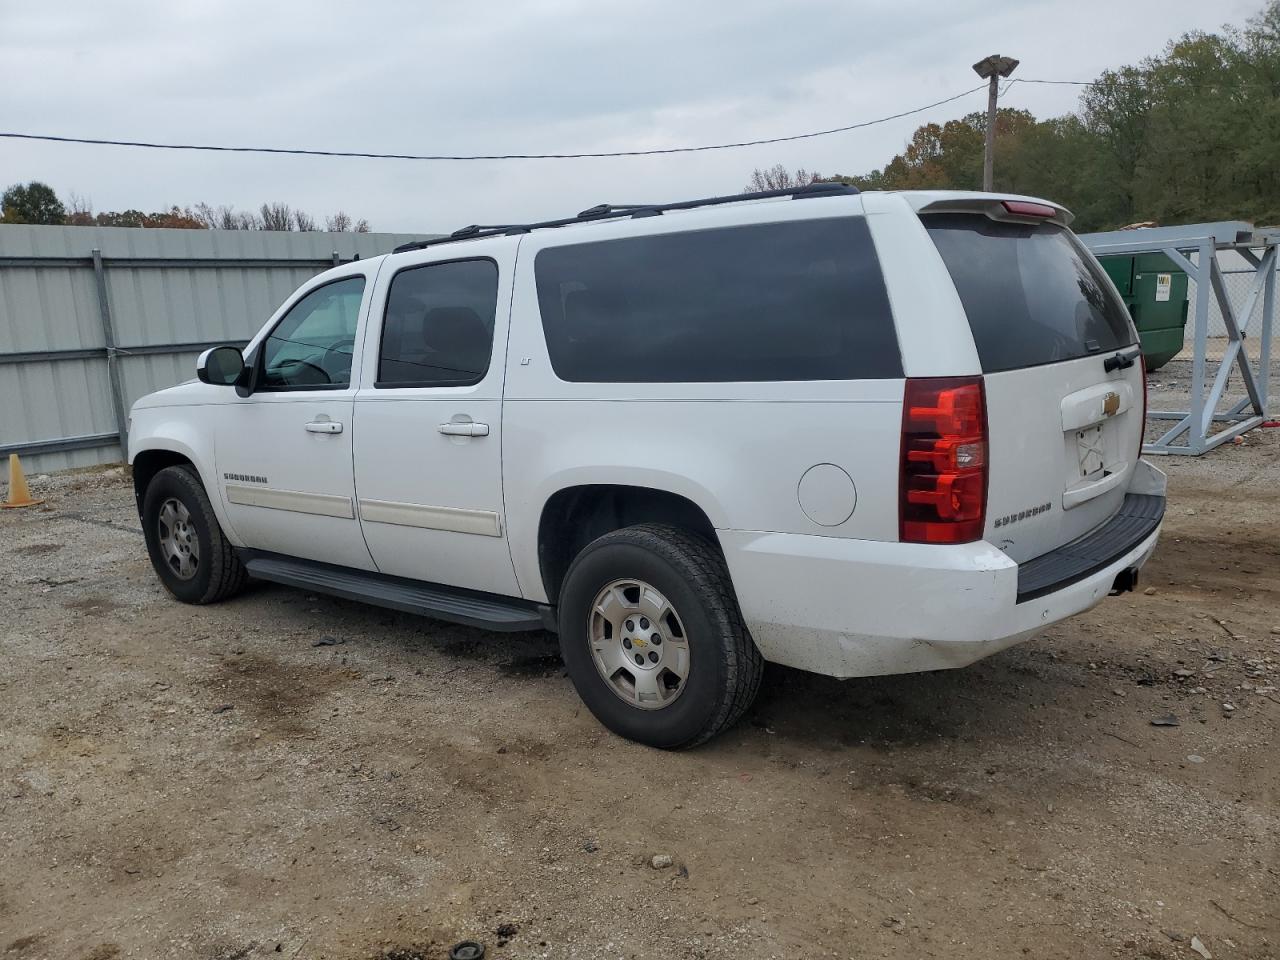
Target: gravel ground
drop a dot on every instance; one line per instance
(290, 775)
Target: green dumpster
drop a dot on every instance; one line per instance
(1155, 291)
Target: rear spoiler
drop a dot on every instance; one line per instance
(1012, 210)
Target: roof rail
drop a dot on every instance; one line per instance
(607, 211)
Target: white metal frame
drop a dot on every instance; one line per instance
(1204, 241)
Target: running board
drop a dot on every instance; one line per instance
(470, 607)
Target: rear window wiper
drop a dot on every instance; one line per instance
(1122, 360)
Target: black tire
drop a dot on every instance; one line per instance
(724, 665)
(219, 573)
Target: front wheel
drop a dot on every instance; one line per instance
(192, 558)
(652, 637)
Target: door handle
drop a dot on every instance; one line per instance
(324, 426)
(466, 429)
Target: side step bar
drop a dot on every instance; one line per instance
(470, 607)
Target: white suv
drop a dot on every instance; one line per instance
(852, 433)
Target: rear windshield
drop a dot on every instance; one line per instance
(1032, 293)
(799, 300)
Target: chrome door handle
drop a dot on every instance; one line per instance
(464, 429)
(324, 426)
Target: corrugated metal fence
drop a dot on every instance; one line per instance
(91, 318)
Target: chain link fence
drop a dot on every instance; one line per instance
(1239, 283)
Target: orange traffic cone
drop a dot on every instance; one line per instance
(19, 494)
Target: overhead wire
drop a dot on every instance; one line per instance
(311, 152)
(584, 155)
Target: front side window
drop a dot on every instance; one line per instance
(797, 300)
(438, 330)
(311, 347)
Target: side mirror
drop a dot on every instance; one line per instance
(220, 366)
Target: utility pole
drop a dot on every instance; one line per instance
(992, 68)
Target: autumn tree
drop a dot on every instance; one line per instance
(779, 177)
(224, 217)
(276, 216)
(33, 202)
(1187, 136)
(79, 211)
(341, 222)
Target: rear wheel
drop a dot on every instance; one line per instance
(653, 639)
(192, 558)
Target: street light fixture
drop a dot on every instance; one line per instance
(992, 68)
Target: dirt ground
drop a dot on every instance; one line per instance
(289, 775)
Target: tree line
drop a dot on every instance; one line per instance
(1189, 136)
(37, 202)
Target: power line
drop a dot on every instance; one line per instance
(1068, 83)
(497, 156)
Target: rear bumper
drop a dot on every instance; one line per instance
(1139, 516)
(855, 608)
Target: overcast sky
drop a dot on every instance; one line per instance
(531, 76)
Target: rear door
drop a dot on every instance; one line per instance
(1065, 430)
(428, 419)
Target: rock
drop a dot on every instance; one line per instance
(590, 846)
(1175, 936)
(506, 930)
(1184, 672)
(1167, 720)
(1228, 708)
(327, 642)
(1200, 948)
(222, 708)
(1150, 591)
(661, 861)
(1194, 758)
(894, 924)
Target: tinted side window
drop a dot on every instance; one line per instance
(310, 348)
(801, 300)
(1031, 292)
(438, 330)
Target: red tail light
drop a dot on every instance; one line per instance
(1142, 426)
(942, 494)
(1025, 208)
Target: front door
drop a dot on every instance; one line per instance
(428, 424)
(283, 454)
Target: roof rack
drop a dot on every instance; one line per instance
(609, 211)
